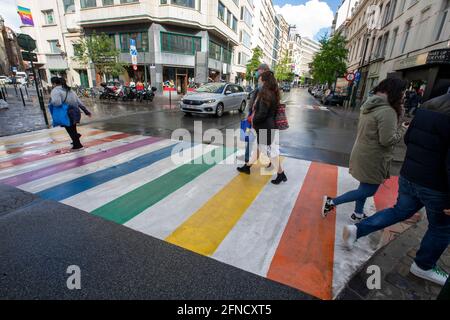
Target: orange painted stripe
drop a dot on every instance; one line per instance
(305, 255)
(44, 143)
(36, 157)
(386, 196)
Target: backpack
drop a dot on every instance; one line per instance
(281, 122)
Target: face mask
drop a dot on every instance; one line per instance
(257, 74)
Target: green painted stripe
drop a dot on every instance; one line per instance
(135, 202)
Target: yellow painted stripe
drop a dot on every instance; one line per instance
(205, 230)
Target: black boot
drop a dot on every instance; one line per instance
(281, 177)
(244, 169)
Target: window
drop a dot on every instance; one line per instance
(178, 43)
(77, 50)
(128, 1)
(184, 3)
(108, 2)
(234, 27)
(243, 58)
(48, 17)
(229, 17)
(221, 13)
(246, 39)
(219, 53)
(394, 40)
(384, 44)
(405, 38)
(88, 3)
(69, 6)
(442, 20)
(141, 41)
(53, 44)
(387, 12)
(402, 6)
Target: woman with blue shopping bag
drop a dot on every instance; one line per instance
(65, 110)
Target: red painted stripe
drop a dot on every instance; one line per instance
(36, 157)
(386, 196)
(46, 142)
(305, 255)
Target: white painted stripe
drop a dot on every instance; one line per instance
(107, 192)
(52, 147)
(162, 219)
(346, 262)
(4, 140)
(252, 243)
(48, 182)
(13, 171)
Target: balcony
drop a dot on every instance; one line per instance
(117, 14)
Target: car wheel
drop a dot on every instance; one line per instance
(219, 110)
(243, 106)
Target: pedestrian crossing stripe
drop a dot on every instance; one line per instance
(245, 221)
(309, 107)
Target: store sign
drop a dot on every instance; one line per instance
(411, 62)
(133, 52)
(439, 56)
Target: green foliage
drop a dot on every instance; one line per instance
(99, 50)
(253, 64)
(330, 62)
(283, 70)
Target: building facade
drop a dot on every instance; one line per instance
(302, 51)
(408, 39)
(10, 52)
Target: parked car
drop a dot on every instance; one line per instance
(286, 87)
(333, 99)
(4, 80)
(21, 78)
(215, 98)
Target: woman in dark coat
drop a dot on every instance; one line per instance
(263, 121)
(61, 93)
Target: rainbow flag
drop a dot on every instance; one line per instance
(25, 16)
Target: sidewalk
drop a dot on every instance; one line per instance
(394, 261)
(17, 119)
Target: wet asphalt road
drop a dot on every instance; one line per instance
(316, 135)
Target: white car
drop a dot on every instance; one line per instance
(4, 80)
(215, 98)
(21, 78)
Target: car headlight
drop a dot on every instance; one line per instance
(209, 101)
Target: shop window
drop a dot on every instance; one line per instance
(178, 43)
(128, 1)
(184, 3)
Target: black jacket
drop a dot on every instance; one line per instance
(427, 161)
(264, 117)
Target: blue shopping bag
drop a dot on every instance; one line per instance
(246, 131)
(60, 115)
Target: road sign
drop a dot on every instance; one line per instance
(26, 42)
(133, 53)
(29, 56)
(350, 76)
(357, 76)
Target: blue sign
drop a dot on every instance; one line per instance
(357, 76)
(133, 52)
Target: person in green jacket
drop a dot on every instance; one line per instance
(378, 132)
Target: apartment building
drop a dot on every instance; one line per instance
(409, 39)
(302, 51)
(179, 42)
(243, 52)
(10, 52)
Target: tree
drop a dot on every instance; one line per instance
(99, 50)
(330, 62)
(253, 64)
(283, 70)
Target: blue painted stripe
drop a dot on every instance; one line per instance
(81, 184)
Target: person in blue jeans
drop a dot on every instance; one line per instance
(378, 132)
(424, 182)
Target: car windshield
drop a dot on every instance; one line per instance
(212, 88)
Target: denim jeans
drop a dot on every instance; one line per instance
(411, 199)
(359, 195)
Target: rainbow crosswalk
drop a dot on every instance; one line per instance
(244, 221)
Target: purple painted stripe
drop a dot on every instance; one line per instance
(63, 166)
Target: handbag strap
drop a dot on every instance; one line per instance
(67, 93)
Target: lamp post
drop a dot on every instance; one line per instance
(144, 45)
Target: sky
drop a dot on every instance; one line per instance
(313, 18)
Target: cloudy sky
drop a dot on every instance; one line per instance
(312, 17)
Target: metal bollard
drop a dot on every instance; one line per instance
(21, 95)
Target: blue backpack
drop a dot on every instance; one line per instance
(60, 114)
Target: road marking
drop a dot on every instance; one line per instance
(205, 229)
(304, 257)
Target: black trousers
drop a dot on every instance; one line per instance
(72, 131)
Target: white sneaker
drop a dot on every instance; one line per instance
(436, 275)
(357, 217)
(349, 236)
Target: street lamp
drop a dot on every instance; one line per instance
(144, 46)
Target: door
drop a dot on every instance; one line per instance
(84, 78)
(181, 84)
(228, 98)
